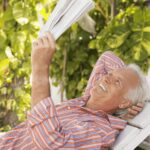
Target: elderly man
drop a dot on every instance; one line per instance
(81, 123)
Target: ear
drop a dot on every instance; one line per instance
(126, 103)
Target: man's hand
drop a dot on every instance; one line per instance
(42, 53)
(133, 111)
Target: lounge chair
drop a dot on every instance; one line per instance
(137, 130)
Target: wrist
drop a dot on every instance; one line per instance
(40, 80)
(40, 73)
(40, 67)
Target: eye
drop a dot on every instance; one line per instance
(117, 82)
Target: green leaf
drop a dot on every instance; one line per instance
(146, 45)
(19, 92)
(92, 44)
(3, 66)
(81, 84)
(20, 13)
(117, 40)
(74, 27)
(18, 43)
(3, 91)
(8, 15)
(14, 63)
(3, 38)
(139, 53)
(1, 21)
(146, 29)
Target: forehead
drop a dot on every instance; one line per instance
(128, 75)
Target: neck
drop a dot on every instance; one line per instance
(99, 106)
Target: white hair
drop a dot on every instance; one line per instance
(141, 92)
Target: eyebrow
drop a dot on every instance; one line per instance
(120, 78)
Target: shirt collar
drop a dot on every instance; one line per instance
(78, 102)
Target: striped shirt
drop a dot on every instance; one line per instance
(68, 126)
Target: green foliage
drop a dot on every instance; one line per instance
(77, 70)
(18, 28)
(128, 34)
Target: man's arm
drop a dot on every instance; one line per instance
(43, 123)
(42, 53)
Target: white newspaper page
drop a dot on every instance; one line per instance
(64, 15)
(80, 8)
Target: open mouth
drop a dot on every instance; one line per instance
(103, 87)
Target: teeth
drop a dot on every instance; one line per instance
(102, 87)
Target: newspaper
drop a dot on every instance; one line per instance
(64, 15)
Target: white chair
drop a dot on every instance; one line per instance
(137, 130)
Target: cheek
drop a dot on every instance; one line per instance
(116, 92)
(116, 96)
(96, 94)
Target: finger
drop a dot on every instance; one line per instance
(34, 44)
(51, 40)
(140, 105)
(39, 42)
(139, 109)
(45, 41)
(132, 112)
(129, 116)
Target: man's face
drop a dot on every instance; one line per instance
(112, 88)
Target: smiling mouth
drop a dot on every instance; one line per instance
(103, 87)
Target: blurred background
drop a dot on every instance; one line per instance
(120, 26)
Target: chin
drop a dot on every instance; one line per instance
(91, 92)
